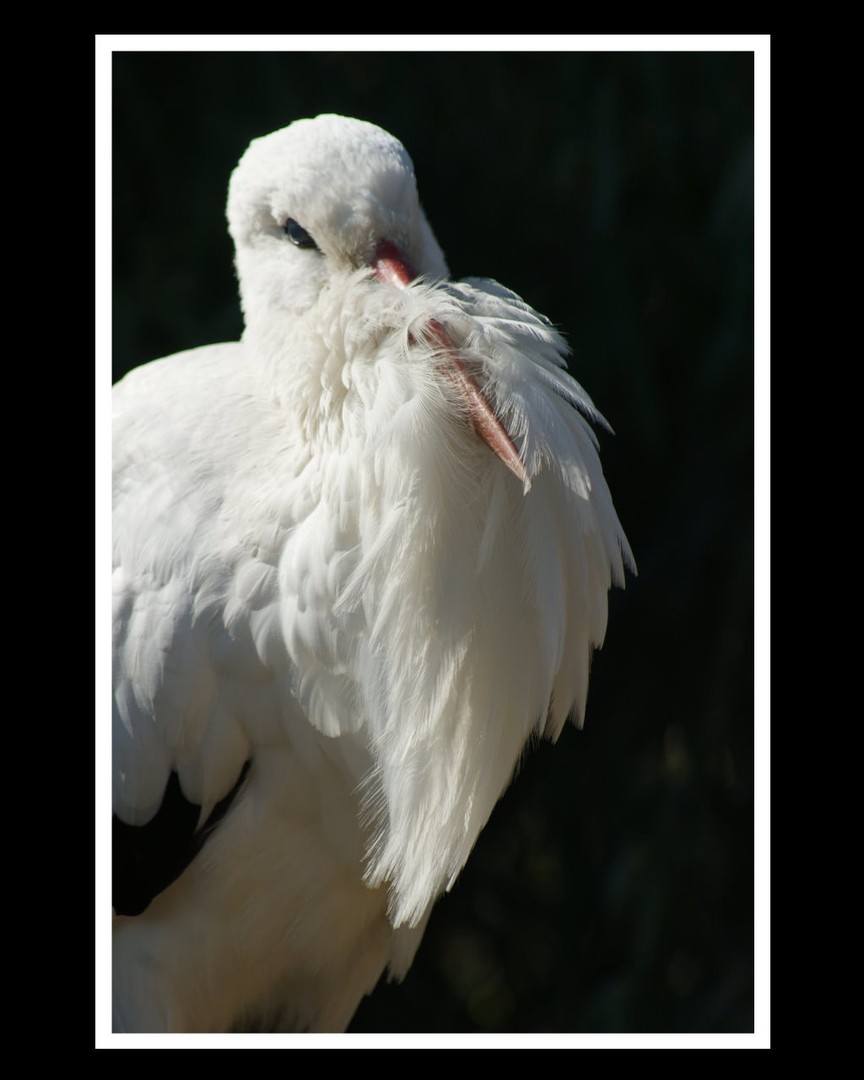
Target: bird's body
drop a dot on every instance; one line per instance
(339, 615)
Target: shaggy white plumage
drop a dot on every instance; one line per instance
(325, 566)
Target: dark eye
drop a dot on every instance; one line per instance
(298, 235)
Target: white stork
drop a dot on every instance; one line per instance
(361, 558)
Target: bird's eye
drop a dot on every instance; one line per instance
(298, 235)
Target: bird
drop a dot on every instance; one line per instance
(361, 561)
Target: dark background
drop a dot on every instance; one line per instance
(613, 889)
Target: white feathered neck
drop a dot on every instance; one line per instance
(466, 611)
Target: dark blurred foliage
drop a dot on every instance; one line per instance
(612, 890)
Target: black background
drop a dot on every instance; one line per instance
(613, 889)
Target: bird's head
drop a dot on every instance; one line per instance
(319, 198)
(322, 199)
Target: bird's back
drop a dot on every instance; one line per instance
(269, 925)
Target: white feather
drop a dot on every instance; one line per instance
(320, 565)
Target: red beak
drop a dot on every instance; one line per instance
(393, 268)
